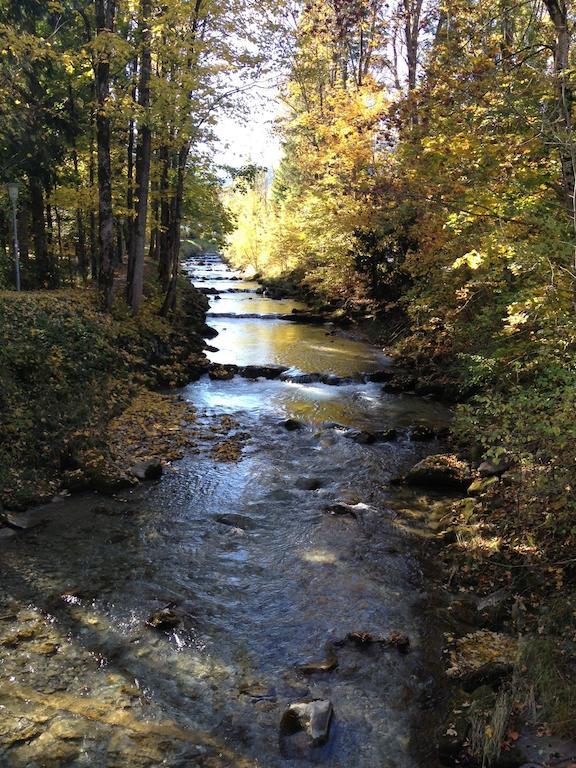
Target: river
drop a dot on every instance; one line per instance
(84, 681)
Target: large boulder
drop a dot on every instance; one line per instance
(103, 477)
(308, 719)
(440, 472)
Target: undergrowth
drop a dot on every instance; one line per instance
(66, 369)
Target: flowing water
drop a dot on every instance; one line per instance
(84, 681)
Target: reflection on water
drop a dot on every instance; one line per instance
(260, 575)
(306, 347)
(243, 303)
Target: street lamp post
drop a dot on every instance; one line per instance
(13, 195)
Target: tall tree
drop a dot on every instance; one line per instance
(143, 157)
(105, 11)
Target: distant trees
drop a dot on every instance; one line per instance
(101, 105)
(430, 145)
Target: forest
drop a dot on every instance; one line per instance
(415, 242)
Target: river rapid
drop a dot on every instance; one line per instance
(261, 576)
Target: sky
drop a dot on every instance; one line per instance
(241, 143)
(251, 140)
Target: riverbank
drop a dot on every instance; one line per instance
(68, 372)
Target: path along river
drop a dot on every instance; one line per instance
(83, 680)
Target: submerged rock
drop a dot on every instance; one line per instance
(235, 520)
(365, 437)
(222, 372)
(300, 378)
(309, 718)
(303, 317)
(440, 472)
(361, 436)
(291, 424)
(262, 371)
(332, 380)
(309, 483)
(366, 639)
(329, 663)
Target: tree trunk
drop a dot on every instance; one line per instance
(94, 261)
(169, 304)
(105, 12)
(163, 245)
(4, 235)
(563, 119)
(143, 155)
(130, 177)
(412, 13)
(563, 123)
(153, 250)
(80, 243)
(39, 233)
(24, 234)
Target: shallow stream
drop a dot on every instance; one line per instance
(84, 681)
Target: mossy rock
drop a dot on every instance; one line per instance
(440, 472)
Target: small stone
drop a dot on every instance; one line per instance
(258, 692)
(495, 467)
(43, 649)
(164, 619)
(481, 485)
(340, 509)
(148, 470)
